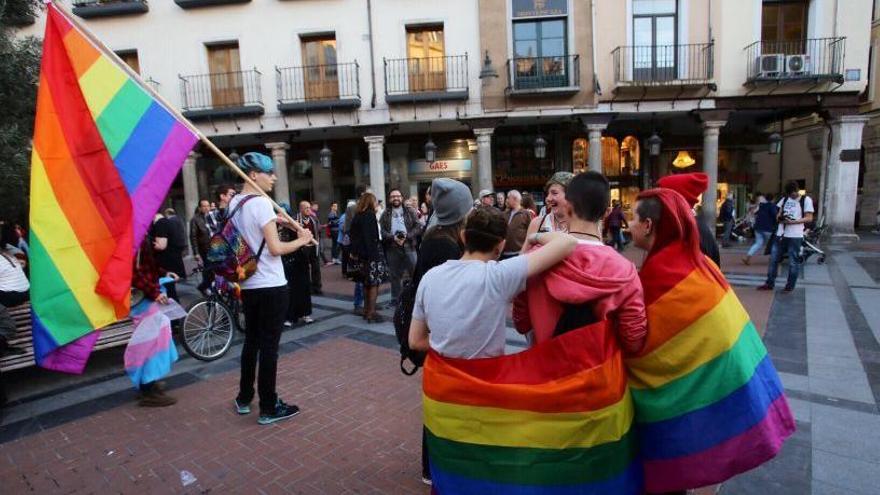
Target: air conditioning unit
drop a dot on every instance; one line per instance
(797, 65)
(770, 66)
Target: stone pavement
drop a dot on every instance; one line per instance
(359, 431)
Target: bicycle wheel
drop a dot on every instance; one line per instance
(207, 330)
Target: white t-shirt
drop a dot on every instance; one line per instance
(12, 277)
(250, 220)
(792, 208)
(465, 305)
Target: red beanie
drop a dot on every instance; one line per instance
(691, 186)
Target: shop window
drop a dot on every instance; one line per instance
(618, 158)
(426, 63)
(630, 154)
(579, 155)
(320, 71)
(224, 65)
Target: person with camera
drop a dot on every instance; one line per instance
(400, 228)
(795, 211)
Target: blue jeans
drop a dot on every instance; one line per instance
(358, 295)
(792, 246)
(728, 229)
(760, 240)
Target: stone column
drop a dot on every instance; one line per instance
(377, 165)
(711, 131)
(817, 142)
(871, 183)
(484, 153)
(595, 133)
(190, 186)
(282, 185)
(473, 151)
(398, 159)
(843, 177)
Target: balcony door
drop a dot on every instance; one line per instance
(654, 40)
(784, 26)
(224, 65)
(539, 51)
(320, 74)
(425, 51)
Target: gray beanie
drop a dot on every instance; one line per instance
(451, 200)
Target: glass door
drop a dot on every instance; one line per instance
(320, 74)
(227, 88)
(654, 52)
(426, 65)
(539, 51)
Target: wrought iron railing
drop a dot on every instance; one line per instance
(537, 73)
(659, 65)
(426, 75)
(817, 58)
(317, 82)
(221, 90)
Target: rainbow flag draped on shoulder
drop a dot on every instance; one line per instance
(104, 155)
(709, 404)
(554, 419)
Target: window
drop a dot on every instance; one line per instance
(654, 40)
(539, 51)
(785, 22)
(224, 66)
(425, 51)
(130, 57)
(321, 78)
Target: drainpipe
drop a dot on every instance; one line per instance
(710, 21)
(596, 85)
(372, 58)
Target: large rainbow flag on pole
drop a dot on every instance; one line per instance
(709, 404)
(554, 419)
(104, 155)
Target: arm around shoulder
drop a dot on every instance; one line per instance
(556, 247)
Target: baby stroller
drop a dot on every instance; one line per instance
(742, 229)
(810, 246)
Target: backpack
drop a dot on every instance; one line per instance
(229, 255)
(402, 319)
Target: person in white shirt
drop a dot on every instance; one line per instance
(264, 294)
(462, 305)
(794, 213)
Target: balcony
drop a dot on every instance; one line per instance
(819, 59)
(318, 87)
(664, 65)
(88, 9)
(221, 95)
(544, 75)
(193, 4)
(410, 80)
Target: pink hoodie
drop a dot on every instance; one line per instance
(592, 273)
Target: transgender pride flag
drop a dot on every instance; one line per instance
(104, 155)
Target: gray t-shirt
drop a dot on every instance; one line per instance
(465, 305)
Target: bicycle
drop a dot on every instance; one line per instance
(209, 325)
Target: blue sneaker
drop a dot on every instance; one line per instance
(242, 408)
(282, 411)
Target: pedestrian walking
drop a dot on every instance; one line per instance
(727, 216)
(296, 271)
(794, 211)
(345, 241)
(309, 221)
(367, 250)
(765, 224)
(200, 241)
(400, 227)
(518, 220)
(691, 186)
(616, 222)
(333, 230)
(264, 295)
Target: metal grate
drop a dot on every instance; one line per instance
(818, 58)
(317, 82)
(221, 90)
(659, 65)
(536, 73)
(426, 75)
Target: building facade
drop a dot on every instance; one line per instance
(502, 93)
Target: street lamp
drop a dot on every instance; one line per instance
(654, 144)
(540, 147)
(775, 141)
(430, 147)
(326, 156)
(488, 71)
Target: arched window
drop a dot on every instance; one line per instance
(610, 157)
(629, 156)
(579, 155)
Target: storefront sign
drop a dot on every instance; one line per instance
(538, 8)
(439, 167)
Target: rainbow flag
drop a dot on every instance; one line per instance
(104, 155)
(554, 419)
(709, 404)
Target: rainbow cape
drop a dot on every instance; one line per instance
(104, 155)
(709, 404)
(554, 419)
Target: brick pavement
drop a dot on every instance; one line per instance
(359, 432)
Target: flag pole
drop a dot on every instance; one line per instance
(98, 44)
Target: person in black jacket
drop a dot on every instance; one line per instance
(691, 186)
(366, 246)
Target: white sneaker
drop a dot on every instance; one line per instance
(287, 323)
(307, 319)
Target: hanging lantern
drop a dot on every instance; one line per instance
(430, 151)
(654, 144)
(326, 156)
(775, 141)
(540, 148)
(683, 160)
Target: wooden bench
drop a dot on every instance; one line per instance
(114, 335)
